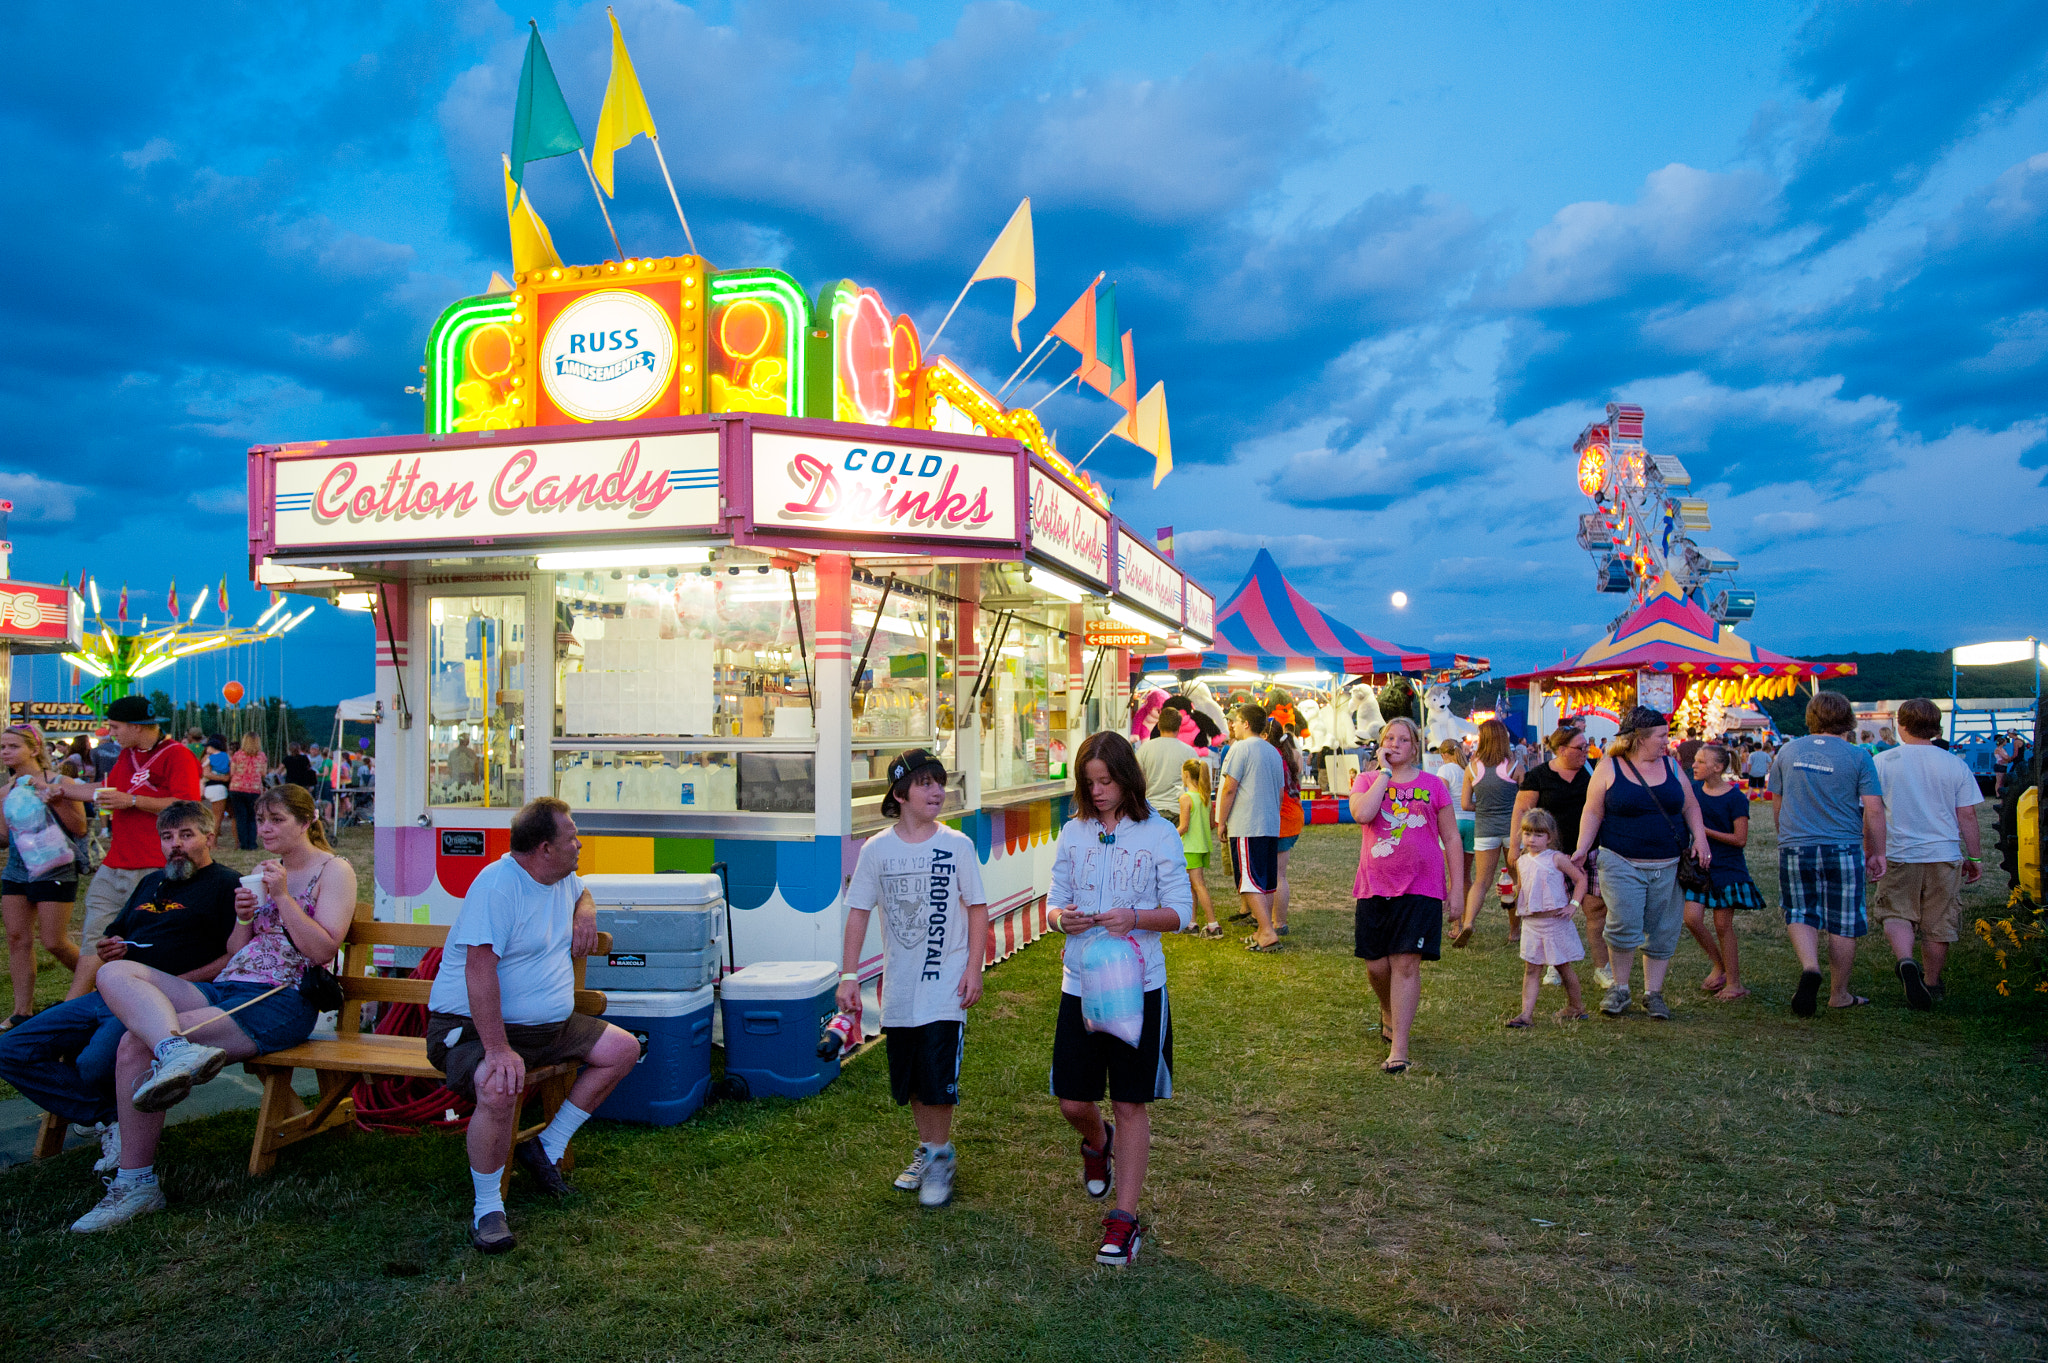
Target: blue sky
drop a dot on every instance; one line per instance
(1388, 258)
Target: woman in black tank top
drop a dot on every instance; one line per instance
(1654, 816)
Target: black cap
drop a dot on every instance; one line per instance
(902, 772)
(134, 710)
(1642, 717)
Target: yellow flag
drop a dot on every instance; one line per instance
(1012, 258)
(624, 115)
(532, 247)
(1147, 428)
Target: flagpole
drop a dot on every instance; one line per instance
(934, 338)
(1027, 360)
(1062, 384)
(1098, 444)
(1034, 368)
(672, 193)
(598, 194)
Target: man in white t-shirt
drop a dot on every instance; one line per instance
(1930, 801)
(926, 880)
(504, 1002)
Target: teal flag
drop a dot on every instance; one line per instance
(1109, 337)
(541, 125)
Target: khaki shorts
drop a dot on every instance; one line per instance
(1929, 893)
(550, 1044)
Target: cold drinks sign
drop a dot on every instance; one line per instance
(490, 493)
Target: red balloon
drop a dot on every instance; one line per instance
(232, 693)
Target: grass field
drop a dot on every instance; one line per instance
(1735, 1184)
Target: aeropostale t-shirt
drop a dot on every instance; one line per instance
(921, 890)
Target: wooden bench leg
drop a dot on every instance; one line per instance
(279, 1105)
(49, 1136)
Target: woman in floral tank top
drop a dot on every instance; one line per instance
(177, 1037)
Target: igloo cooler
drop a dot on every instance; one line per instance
(667, 932)
(774, 1012)
(674, 1072)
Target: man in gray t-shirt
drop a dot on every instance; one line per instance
(1830, 820)
(1248, 809)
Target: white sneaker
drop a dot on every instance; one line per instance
(1604, 977)
(121, 1205)
(110, 1148)
(173, 1075)
(937, 1188)
(1550, 976)
(912, 1178)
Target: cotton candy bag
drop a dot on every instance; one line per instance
(1112, 985)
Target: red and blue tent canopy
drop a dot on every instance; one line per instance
(1268, 626)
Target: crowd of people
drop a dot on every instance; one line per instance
(56, 793)
(192, 967)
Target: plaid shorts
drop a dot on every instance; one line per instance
(1823, 888)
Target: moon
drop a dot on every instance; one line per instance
(1400, 601)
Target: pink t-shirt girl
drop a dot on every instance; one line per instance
(1400, 852)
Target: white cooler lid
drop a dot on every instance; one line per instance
(657, 1003)
(655, 891)
(780, 980)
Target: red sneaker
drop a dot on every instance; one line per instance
(1095, 1171)
(1121, 1236)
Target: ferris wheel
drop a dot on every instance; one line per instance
(1642, 524)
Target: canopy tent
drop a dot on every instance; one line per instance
(1669, 635)
(1268, 626)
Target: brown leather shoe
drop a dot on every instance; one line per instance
(535, 1161)
(491, 1235)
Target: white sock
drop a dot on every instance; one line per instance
(941, 1151)
(129, 1178)
(490, 1196)
(554, 1141)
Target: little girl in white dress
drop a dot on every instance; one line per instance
(1549, 937)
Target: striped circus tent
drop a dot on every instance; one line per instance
(1669, 634)
(1268, 626)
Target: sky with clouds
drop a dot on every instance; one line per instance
(1389, 259)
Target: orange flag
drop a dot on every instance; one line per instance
(1125, 394)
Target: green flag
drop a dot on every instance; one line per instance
(541, 125)
(1109, 346)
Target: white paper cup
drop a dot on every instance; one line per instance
(253, 883)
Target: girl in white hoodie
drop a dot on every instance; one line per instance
(1117, 868)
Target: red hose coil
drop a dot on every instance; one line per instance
(406, 1106)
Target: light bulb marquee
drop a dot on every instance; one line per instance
(671, 336)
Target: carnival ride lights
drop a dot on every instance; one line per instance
(1641, 529)
(118, 661)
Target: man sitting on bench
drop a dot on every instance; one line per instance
(505, 999)
(177, 921)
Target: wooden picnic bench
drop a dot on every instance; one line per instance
(351, 1055)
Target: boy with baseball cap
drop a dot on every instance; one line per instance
(926, 879)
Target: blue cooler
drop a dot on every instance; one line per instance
(774, 1012)
(674, 1073)
(666, 932)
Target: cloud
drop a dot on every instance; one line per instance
(39, 499)
(220, 501)
(1888, 89)
(1687, 225)
(1775, 523)
(1957, 329)
(1290, 551)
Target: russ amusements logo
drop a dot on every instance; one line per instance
(608, 356)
